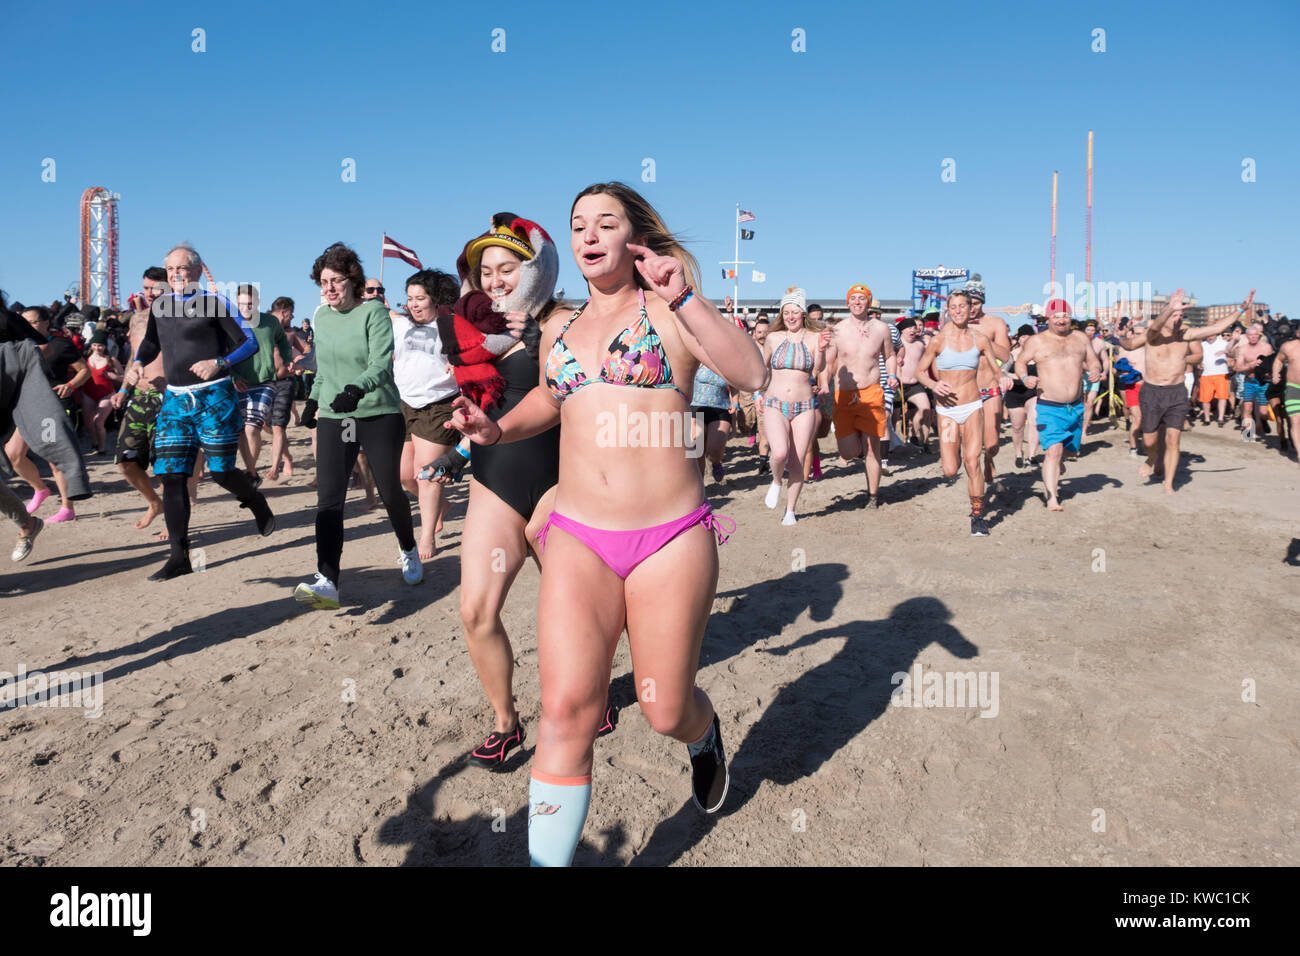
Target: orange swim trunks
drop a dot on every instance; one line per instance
(860, 410)
(1214, 387)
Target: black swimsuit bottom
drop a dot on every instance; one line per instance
(520, 472)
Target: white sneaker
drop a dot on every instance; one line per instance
(412, 569)
(789, 518)
(24, 546)
(320, 594)
(773, 495)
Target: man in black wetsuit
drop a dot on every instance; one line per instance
(200, 336)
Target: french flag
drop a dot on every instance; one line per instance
(395, 250)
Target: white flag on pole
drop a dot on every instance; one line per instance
(759, 276)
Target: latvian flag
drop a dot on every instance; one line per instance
(395, 250)
(745, 216)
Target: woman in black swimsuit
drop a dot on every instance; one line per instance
(512, 486)
(1020, 402)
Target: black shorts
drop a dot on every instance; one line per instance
(916, 388)
(282, 402)
(1163, 406)
(431, 422)
(1015, 399)
(1277, 391)
(711, 414)
(521, 472)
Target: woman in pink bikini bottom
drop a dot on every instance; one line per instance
(631, 542)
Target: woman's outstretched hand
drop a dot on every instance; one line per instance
(472, 422)
(663, 274)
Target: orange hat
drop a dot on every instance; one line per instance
(858, 289)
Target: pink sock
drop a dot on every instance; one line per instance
(38, 498)
(63, 514)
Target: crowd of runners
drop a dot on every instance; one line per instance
(486, 373)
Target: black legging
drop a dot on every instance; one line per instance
(176, 504)
(381, 437)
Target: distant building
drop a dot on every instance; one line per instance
(1194, 315)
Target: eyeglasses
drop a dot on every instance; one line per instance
(375, 290)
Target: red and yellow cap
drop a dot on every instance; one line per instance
(514, 239)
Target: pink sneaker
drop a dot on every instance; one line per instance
(63, 514)
(37, 500)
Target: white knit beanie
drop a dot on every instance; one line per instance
(795, 296)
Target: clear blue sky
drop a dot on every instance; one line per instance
(837, 150)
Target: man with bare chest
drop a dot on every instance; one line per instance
(988, 378)
(1064, 359)
(1251, 361)
(141, 394)
(853, 351)
(914, 393)
(1169, 347)
(1288, 356)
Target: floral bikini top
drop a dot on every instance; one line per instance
(636, 358)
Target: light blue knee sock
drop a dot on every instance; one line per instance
(556, 814)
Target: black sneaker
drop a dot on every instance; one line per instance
(978, 526)
(710, 778)
(261, 514)
(608, 726)
(1020, 461)
(493, 751)
(174, 568)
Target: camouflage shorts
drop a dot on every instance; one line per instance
(135, 437)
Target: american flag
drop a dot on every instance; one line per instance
(395, 250)
(746, 216)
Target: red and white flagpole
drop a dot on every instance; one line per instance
(382, 237)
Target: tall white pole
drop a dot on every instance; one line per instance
(735, 298)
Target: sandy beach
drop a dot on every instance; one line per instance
(240, 729)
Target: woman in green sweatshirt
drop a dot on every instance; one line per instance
(357, 404)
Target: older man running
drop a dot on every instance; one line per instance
(200, 337)
(1064, 358)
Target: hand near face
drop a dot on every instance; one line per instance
(515, 323)
(663, 274)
